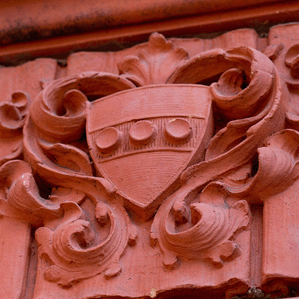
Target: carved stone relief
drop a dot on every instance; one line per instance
(146, 176)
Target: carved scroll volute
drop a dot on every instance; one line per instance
(20, 196)
(74, 249)
(291, 70)
(210, 236)
(70, 241)
(206, 206)
(12, 118)
(53, 135)
(251, 96)
(262, 90)
(284, 52)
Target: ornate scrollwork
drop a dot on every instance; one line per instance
(74, 248)
(57, 152)
(253, 112)
(68, 240)
(291, 60)
(213, 230)
(234, 100)
(12, 118)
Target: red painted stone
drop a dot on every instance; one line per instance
(168, 171)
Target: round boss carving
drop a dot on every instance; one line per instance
(108, 140)
(142, 132)
(178, 129)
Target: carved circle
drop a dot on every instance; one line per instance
(178, 129)
(19, 99)
(10, 114)
(292, 60)
(108, 140)
(142, 132)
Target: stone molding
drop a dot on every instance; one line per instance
(17, 24)
(98, 25)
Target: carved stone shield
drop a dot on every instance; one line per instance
(142, 139)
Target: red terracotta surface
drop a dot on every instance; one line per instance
(168, 170)
(17, 23)
(100, 25)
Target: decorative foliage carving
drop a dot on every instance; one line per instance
(291, 60)
(212, 231)
(12, 116)
(55, 147)
(154, 64)
(68, 239)
(169, 138)
(278, 162)
(74, 248)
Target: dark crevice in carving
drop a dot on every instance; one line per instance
(44, 188)
(255, 166)
(32, 267)
(209, 81)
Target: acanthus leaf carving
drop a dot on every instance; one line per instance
(68, 238)
(291, 60)
(246, 134)
(155, 64)
(278, 161)
(291, 79)
(67, 156)
(13, 114)
(74, 248)
(212, 231)
(238, 95)
(20, 196)
(148, 143)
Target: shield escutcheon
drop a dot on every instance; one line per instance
(142, 139)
